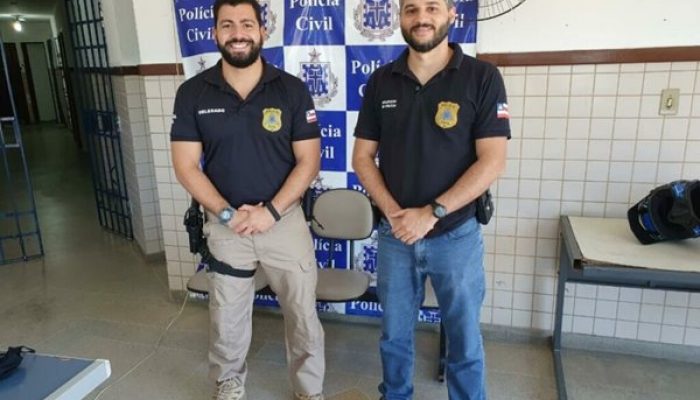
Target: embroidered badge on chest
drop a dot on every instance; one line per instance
(446, 115)
(272, 119)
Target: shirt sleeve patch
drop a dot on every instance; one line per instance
(311, 116)
(502, 111)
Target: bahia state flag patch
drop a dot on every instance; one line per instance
(311, 116)
(502, 111)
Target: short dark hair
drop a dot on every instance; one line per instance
(449, 3)
(253, 3)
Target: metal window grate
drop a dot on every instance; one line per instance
(98, 115)
(20, 236)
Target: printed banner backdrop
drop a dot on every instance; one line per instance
(333, 46)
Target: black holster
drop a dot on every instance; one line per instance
(484, 207)
(194, 222)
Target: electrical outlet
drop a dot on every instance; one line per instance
(669, 101)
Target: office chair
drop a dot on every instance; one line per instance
(346, 214)
(341, 214)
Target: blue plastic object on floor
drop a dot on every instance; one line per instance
(51, 377)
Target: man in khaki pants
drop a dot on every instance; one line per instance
(256, 128)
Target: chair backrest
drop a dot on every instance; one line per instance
(342, 214)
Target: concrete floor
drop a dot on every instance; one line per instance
(94, 296)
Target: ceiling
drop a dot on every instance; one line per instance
(30, 9)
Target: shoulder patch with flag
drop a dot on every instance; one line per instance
(502, 111)
(311, 116)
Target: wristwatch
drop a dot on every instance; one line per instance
(226, 215)
(439, 211)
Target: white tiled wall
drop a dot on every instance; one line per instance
(587, 140)
(173, 200)
(138, 163)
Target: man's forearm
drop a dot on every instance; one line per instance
(200, 187)
(372, 180)
(296, 185)
(475, 180)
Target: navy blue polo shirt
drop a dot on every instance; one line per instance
(427, 133)
(247, 144)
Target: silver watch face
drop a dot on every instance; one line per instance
(225, 215)
(439, 211)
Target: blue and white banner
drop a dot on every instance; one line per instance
(333, 46)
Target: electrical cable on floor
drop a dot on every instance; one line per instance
(155, 349)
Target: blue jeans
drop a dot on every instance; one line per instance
(454, 263)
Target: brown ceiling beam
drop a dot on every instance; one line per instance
(573, 57)
(148, 69)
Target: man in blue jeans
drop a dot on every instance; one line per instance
(439, 121)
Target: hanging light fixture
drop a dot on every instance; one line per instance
(18, 23)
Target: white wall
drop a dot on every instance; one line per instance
(537, 25)
(140, 32)
(42, 83)
(120, 29)
(155, 25)
(556, 25)
(60, 19)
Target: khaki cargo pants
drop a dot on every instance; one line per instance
(286, 254)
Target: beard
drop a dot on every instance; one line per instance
(240, 60)
(440, 35)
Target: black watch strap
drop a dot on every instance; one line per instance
(276, 215)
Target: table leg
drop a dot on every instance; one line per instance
(558, 317)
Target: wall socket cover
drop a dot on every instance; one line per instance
(669, 101)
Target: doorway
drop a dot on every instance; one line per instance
(14, 71)
(42, 91)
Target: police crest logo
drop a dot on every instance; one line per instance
(319, 79)
(318, 186)
(446, 115)
(366, 258)
(272, 119)
(202, 64)
(377, 19)
(269, 18)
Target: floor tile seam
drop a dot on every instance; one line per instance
(549, 378)
(117, 341)
(160, 324)
(351, 388)
(71, 291)
(351, 352)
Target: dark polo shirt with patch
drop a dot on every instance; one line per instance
(427, 133)
(247, 144)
